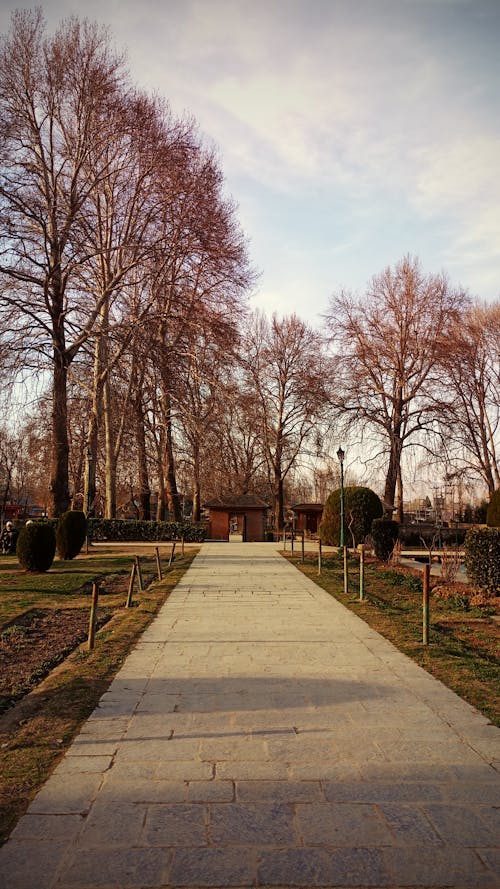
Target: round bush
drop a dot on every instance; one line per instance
(384, 535)
(493, 512)
(482, 558)
(36, 547)
(361, 507)
(71, 533)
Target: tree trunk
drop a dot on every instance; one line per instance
(196, 487)
(392, 476)
(399, 497)
(173, 499)
(278, 501)
(110, 468)
(142, 463)
(59, 483)
(196, 501)
(89, 489)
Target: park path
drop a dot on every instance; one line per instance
(260, 734)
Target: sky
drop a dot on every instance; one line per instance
(350, 132)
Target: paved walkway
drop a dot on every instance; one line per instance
(262, 735)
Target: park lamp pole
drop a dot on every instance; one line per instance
(340, 457)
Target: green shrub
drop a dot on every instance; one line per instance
(121, 529)
(493, 513)
(70, 534)
(482, 558)
(361, 507)
(384, 535)
(36, 547)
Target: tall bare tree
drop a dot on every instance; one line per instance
(470, 401)
(286, 370)
(56, 94)
(388, 344)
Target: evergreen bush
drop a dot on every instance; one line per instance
(482, 558)
(493, 513)
(361, 507)
(384, 535)
(70, 534)
(36, 547)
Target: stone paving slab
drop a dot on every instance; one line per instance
(262, 735)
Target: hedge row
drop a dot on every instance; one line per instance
(119, 529)
(411, 535)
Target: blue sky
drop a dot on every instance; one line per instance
(350, 132)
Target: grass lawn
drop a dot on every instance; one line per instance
(464, 642)
(35, 732)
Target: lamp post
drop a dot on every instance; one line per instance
(340, 457)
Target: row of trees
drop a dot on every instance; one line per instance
(124, 286)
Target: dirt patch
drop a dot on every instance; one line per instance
(34, 643)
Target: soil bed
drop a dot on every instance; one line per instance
(34, 643)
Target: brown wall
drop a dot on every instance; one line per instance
(218, 524)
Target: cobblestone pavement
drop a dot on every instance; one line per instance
(262, 735)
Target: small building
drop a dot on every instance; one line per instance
(237, 517)
(307, 517)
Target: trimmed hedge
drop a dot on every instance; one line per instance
(361, 505)
(36, 547)
(120, 529)
(384, 535)
(482, 558)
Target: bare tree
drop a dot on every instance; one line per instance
(286, 369)
(55, 97)
(388, 345)
(470, 401)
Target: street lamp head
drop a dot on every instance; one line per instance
(340, 455)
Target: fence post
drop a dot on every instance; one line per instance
(128, 603)
(93, 616)
(362, 573)
(158, 564)
(182, 543)
(319, 556)
(425, 604)
(171, 559)
(139, 573)
(292, 538)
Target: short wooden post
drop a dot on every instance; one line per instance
(425, 604)
(361, 573)
(303, 547)
(93, 616)
(139, 573)
(292, 538)
(284, 539)
(171, 559)
(158, 564)
(182, 545)
(128, 603)
(320, 559)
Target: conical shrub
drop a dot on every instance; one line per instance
(70, 534)
(384, 535)
(36, 547)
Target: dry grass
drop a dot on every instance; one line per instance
(464, 641)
